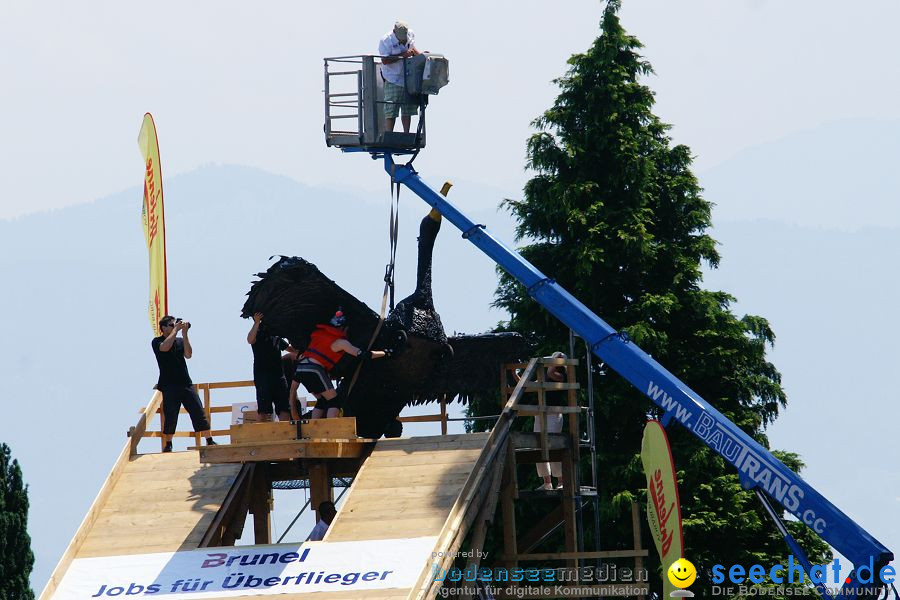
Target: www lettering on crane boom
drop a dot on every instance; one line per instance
(659, 396)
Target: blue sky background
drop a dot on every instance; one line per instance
(789, 109)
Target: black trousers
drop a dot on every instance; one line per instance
(176, 396)
(271, 391)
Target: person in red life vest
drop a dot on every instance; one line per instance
(327, 344)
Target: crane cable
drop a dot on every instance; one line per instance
(393, 234)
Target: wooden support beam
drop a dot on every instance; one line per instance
(190, 434)
(217, 531)
(636, 534)
(334, 428)
(542, 405)
(261, 505)
(263, 432)
(533, 411)
(235, 527)
(542, 386)
(508, 507)
(284, 450)
(320, 488)
(295, 470)
(570, 526)
(555, 441)
(206, 405)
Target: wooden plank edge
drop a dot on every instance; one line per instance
(109, 484)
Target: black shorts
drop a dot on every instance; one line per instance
(323, 404)
(313, 377)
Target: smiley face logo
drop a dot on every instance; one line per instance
(682, 573)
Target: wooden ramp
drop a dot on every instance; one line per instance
(150, 503)
(160, 503)
(406, 488)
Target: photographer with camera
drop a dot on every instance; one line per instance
(174, 381)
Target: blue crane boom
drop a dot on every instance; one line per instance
(757, 468)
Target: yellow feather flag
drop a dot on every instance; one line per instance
(663, 505)
(153, 217)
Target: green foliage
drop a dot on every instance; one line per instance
(16, 559)
(615, 215)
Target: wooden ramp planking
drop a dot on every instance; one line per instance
(406, 488)
(161, 503)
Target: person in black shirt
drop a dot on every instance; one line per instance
(174, 381)
(271, 386)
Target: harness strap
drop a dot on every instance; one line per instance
(320, 355)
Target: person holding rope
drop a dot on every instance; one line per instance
(327, 344)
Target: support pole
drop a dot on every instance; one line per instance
(261, 505)
(636, 534)
(319, 485)
(570, 526)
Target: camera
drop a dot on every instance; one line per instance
(178, 320)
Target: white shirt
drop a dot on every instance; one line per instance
(391, 46)
(318, 532)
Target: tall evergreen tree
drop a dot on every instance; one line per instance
(16, 559)
(615, 215)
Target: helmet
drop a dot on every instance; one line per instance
(339, 319)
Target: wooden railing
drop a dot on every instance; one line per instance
(205, 391)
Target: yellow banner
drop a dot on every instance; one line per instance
(663, 506)
(153, 218)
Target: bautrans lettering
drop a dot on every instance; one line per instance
(658, 496)
(221, 559)
(752, 466)
(755, 468)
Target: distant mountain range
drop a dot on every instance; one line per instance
(841, 175)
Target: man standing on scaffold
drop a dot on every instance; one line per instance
(393, 48)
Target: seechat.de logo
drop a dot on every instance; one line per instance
(682, 574)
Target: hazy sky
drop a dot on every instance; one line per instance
(241, 83)
(232, 82)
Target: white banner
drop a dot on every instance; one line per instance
(250, 570)
(238, 410)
